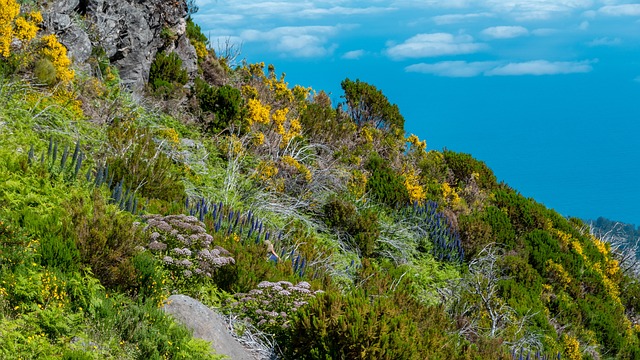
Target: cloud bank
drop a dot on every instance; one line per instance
(432, 45)
(491, 68)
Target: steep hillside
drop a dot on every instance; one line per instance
(323, 230)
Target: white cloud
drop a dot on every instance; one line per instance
(353, 55)
(297, 41)
(520, 10)
(605, 41)
(344, 11)
(541, 67)
(452, 68)
(621, 10)
(584, 25)
(544, 32)
(505, 32)
(494, 68)
(459, 18)
(436, 44)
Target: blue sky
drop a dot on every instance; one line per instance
(546, 92)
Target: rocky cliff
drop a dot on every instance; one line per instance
(129, 32)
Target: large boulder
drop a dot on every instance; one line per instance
(206, 324)
(130, 33)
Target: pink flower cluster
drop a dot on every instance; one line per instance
(190, 246)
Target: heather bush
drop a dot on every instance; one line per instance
(224, 103)
(384, 184)
(45, 72)
(362, 226)
(379, 320)
(525, 214)
(368, 105)
(166, 74)
(106, 239)
(464, 165)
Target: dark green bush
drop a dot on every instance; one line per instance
(491, 225)
(384, 184)
(362, 226)
(340, 213)
(376, 321)
(321, 122)
(194, 32)
(368, 105)
(59, 252)
(106, 239)
(166, 73)
(225, 103)
(148, 276)
(463, 165)
(525, 214)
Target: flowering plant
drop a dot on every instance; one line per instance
(184, 245)
(270, 305)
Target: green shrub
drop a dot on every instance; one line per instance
(194, 32)
(464, 165)
(433, 167)
(525, 214)
(368, 105)
(59, 252)
(149, 277)
(225, 103)
(106, 239)
(362, 226)
(340, 213)
(166, 73)
(76, 355)
(45, 72)
(137, 159)
(145, 325)
(380, 320)
(384, 184)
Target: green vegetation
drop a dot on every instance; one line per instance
(166, 74)
(108, 206)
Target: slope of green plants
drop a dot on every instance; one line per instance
(384, 250)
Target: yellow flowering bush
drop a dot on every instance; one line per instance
(57, 54)
(257, 112)
(411, 182)
(602, 247)
(279, 117)
(450, 194)
(571, 347)
(357, 185)
(267, 170)
(300, 168)
(558, 273)
(171, 135)
(9, 9)
(258, 139)
(416, 143)
(201, 48)
(294, 130)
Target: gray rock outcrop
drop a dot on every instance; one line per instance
(130, 32)
(207, 325)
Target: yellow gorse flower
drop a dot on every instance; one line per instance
(57, 54)
(9, 9)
